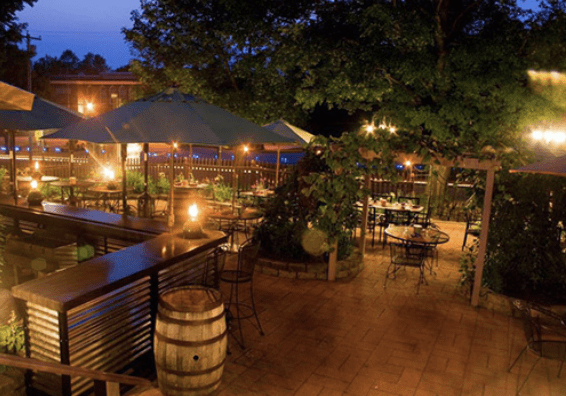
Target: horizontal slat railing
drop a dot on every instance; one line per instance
(105, 384)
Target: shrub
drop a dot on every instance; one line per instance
(524, 256)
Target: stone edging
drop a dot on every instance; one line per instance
(348, 268)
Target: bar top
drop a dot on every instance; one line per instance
(64, 290)
(89, 215)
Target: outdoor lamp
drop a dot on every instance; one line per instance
(192, 228)
(34, 184)
(37, 166)
(108, 173)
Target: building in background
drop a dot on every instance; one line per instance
(94, 94)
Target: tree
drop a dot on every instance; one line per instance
(67, 63)
(220, 50)
(13, 61)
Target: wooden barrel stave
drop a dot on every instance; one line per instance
(190, 347)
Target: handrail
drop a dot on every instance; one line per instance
(105, 384)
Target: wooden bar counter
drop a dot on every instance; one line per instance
(101, 313)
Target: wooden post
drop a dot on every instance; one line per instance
(277, 165)
(237, 158)
(123, 156)
(30, 139)
(171, 218)
(219, 159)
(486, 214)
(72, 144)
(332, 261)
(364, 225)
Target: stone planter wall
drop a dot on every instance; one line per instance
(311, 270)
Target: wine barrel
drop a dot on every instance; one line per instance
(190, 341)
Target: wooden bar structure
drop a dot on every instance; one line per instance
(100, 314)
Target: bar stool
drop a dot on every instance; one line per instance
(242, 275)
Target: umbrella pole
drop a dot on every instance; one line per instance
(123, 156)
(190, 161)
(277, 166)
(145, 201)
(13, 173)
(171, 218)
(30, 137)
(72, 144)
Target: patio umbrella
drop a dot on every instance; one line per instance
(42, 115)
(283, 128)
(555, 166)
(170, 116)
(13, 98)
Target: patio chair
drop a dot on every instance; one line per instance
(545, 333)
(242, 275)
(404, 255)
(473, 226)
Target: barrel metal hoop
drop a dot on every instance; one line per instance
(190, 373)
(167, 319)
(182, 388)
(219, 337)
(199, 308)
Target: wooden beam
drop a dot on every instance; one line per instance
(365, 211)
(483, 236)
(63, 369)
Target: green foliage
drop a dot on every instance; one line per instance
(525, 258)
(289, 211)
(3, 171)
(162, 185)
(49, 191)
(219, 190)
(12, 339)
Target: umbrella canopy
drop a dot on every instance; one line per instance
(169, 116)
(43, 115)
(13, 98)
(555, 166)
(283, 128)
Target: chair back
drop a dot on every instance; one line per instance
(247, 257)
(410, 200)
(407, 254)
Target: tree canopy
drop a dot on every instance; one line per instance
(13, 60)
(68, 63)
(443, 71)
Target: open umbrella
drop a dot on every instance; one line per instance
(42, 115)
(283, 128)
(168, 117)
(13, 98)
(555, 166)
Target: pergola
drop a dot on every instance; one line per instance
(490, 166)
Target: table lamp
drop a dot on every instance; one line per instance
(192, 228)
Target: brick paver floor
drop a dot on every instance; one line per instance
(353, 337)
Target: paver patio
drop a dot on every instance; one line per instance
(356, 338)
